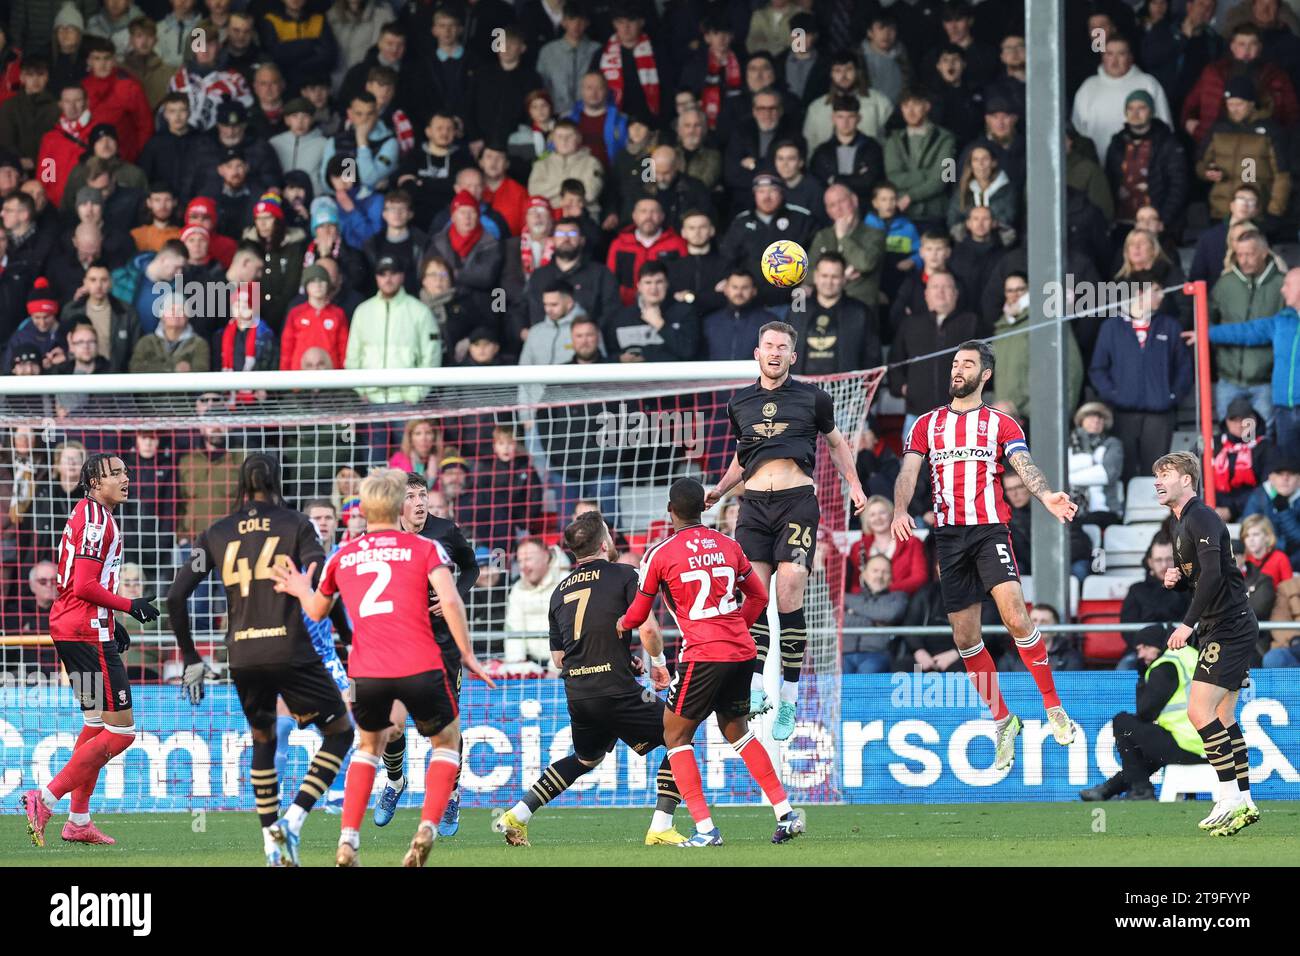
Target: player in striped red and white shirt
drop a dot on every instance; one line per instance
(966, 442)
(89, 643)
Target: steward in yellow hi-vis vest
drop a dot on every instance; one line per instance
(1160, 733)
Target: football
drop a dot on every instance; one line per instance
(784, 263)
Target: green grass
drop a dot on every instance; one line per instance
(890, 835)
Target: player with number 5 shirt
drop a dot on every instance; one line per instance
(966, 441)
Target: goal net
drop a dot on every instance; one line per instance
(509, 453)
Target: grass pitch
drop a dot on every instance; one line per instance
(1044, 834)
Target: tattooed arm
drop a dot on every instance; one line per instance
(1057, 502)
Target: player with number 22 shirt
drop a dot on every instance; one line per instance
(698, 571)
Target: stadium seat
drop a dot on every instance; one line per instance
(1109, 587)
(1140, 502)
(1103, 598)
(1027, 586)
(1185, 778)
(1124, 545)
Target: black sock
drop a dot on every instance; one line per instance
(1240, 756)
(460, 747)
(395, 757)
(1218, 750)
(324, 768)
(266, 786)
(554, 780)
(794, 638)
(666, 785)
(762, 640)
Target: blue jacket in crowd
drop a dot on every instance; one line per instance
(1282, 513)
(731, 333)
(615, 127)
(1141, 378)
(1282, 331)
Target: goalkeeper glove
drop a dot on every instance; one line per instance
(192, 681)
(120, 637)
(143, 611)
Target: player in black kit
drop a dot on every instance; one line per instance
(776, 422)
(415, 518)
(271, 652)
(1227, 632)
(606, 703)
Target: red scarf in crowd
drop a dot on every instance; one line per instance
(464, 244)
(611, 64)
(1239, 472)
(228, 347)
(312, 253)
(718, 79)
(526, 253)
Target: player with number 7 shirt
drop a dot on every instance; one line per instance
(698, 571)
(384, 578)
(965, 441)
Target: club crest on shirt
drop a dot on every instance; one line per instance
(984, 428)
(769, 410)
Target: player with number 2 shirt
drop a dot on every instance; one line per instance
(698, 570)
(965, 441)
(384, 578)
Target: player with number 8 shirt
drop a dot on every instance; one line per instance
(965, 440)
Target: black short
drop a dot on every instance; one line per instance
(427, 696)
(973, 559)
(1227, 647)
(307, 688)
(97, 674)
(776, 526)
(702, 688)
(450, 660)
(600, 722)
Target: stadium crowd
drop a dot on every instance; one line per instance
(374, 185)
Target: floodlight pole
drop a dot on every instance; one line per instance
(1045, 189)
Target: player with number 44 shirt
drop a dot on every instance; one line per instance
(965, 441)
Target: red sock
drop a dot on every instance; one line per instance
(82, 770)
(1034, 653)
(760, 768)
(356, 788)
(439, 779)
(983, 674)
(687, 774)
(81, 795)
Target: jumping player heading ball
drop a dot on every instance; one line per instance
(776, 422)
(965, 441)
